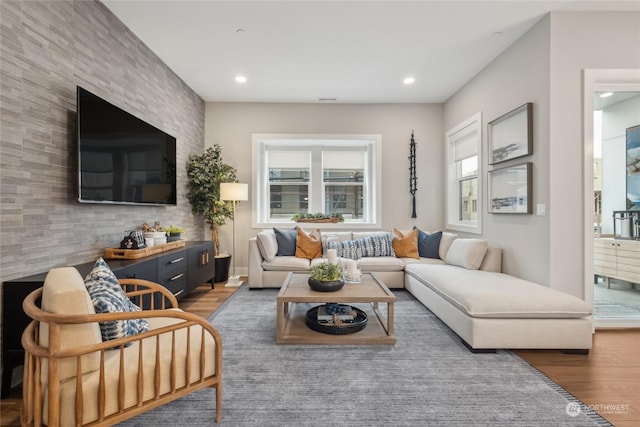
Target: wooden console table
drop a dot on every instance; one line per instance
(179, 270)
(617, 259)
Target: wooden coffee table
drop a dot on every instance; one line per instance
(296, 297)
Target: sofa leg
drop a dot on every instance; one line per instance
(477, 350)
(584, 351)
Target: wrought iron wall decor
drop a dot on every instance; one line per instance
(412, 174)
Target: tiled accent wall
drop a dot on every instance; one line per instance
(47, 48)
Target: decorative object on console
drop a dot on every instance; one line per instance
(234, 192)
(510, 189)
(325, 277)
(511, 135)
(205, 173)
(173, 233)
(412, 174)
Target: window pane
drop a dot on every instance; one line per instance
(469, 200)
(288, 175)
(341, 175)
(468, 167)
(344, 199)
(287, 200)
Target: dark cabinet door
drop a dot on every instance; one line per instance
(201, 258)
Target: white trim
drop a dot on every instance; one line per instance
(375, 193)
(472, 124)
(598, 80)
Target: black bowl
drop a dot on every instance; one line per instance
(326, 286)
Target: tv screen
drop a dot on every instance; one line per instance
(122, 159)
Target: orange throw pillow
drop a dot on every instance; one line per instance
(309, 245)
(405, 246)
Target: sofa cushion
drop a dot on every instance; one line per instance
(267, 244)
(496, 295)
(429, 244)
(108, 297)
(381, 263)
(308, 245)
(378, 244)
(405, 245)
(286, 263)
(286, 241)
(467, 253)
(64, 293)
(445, 244)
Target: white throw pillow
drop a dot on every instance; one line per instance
(267, 244)
(467, 253)
(445, 243)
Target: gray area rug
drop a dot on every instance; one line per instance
(427, 379)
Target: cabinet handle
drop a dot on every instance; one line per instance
(176, 277)
(181, 291)
(176, 260)
(202, 259)
(207, 256)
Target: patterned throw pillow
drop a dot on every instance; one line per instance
(108, 297)
(376, 245)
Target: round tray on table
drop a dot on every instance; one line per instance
(357, 325)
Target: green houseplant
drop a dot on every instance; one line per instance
(325, 277)
(205, 172)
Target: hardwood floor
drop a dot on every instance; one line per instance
(608, 379)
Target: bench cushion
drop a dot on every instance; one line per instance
(496, 295)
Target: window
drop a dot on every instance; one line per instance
(296, 174)
(463, 183)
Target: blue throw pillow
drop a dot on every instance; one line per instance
(286, 241)
(107, 296)
(429, 244)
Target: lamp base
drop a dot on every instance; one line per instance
(233, 282)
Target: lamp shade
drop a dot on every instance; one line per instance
(234, 191)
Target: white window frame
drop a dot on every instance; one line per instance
(372, 183)
(473, 125)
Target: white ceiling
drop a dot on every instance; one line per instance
(354, 51)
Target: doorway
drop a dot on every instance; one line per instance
(611, 105)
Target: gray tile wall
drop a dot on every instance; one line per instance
(47, 48)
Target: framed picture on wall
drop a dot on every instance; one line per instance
(511, 135)
(510, 189)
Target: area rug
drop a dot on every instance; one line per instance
(428, 378)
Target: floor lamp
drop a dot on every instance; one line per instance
(234, 192)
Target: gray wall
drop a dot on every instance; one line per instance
(545, 67)
(232, 124)
(47, 49)
(519, 75)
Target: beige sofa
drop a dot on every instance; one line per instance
(466, 289)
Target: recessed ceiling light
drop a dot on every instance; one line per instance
(241, 79)
(409, 80)
(606, 94)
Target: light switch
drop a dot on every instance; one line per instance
(541, 209)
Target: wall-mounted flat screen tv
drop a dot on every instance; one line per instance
(121, 158)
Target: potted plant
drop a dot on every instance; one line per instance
(318, 217)
(205, 173)
(325, 277)
(173, 233)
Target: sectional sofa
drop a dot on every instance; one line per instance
(460, 282)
